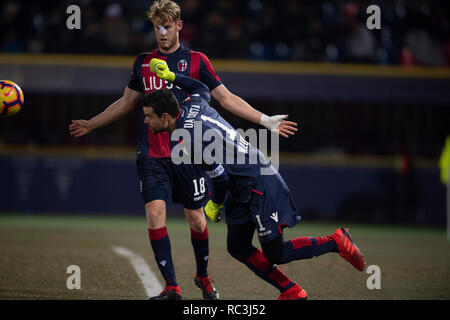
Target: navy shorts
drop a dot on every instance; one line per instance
(270, 207)
(158, 175)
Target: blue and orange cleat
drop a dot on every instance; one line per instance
(293, 293)
(347, 248)
(169, 293)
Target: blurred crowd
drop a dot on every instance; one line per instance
(413, 32)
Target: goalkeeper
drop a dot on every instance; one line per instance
(252, 201)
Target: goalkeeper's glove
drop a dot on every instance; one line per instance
(161, 69)
(212, 210)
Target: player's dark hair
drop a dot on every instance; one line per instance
(162, 101)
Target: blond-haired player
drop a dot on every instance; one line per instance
(157, 174)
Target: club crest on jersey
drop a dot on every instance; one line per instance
(182, 65)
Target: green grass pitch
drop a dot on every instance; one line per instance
(35, 252)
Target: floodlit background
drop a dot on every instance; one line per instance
(373, 108)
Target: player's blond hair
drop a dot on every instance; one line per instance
(166, 10)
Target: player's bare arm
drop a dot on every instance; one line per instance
(242, 109)
(233, 103)
(115, 111)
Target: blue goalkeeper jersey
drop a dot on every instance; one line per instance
(209, 141)
(234, 166)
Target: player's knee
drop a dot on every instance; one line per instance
(196, 219)
(156, 215)
(239, 241)
(273, 250)
(238, 252)
(273, 256)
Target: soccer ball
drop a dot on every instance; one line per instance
(11, 98)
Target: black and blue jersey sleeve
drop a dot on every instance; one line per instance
(135, 82)
(219, 182)
(192, 86)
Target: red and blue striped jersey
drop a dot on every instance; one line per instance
(184, 61)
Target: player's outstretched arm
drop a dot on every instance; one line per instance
(115, 111)
(192, 86)
(242, 109)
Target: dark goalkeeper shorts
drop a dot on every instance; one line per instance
(270, 208)
(159, 175)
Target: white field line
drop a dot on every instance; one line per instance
(148, 278)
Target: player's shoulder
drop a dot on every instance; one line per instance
(140, 57)
(199, 53)
(199, 106)
(139, 60)
(195, 100)
(146, 53)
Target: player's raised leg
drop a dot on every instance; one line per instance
(348, 249)
(274, 208)
(279, 251)
(239, 245)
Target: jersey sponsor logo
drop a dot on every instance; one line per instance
(182, 65)
(154, 83)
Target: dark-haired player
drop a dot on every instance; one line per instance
(253, 201)
(156, 172)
